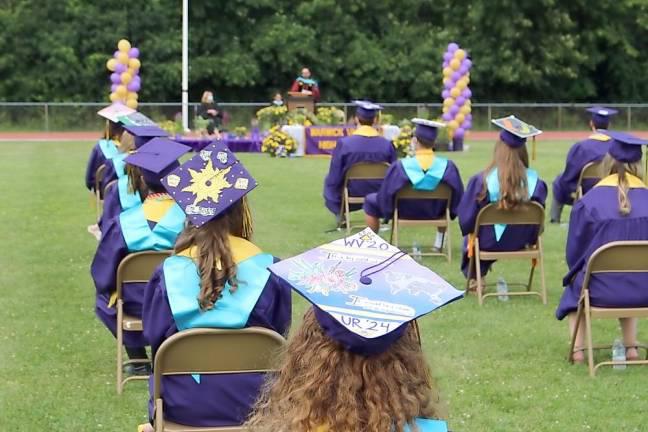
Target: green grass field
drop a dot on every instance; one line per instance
(501, 367)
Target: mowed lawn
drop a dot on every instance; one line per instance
(500, 367)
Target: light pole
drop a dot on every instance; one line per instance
(185, 65)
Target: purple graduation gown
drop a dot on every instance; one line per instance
(112, 205)
(515, 236)
(596, 221)
(111, 250)
(359, 147)
(381, 204)
(593, 149)
(95, 160)
(218, 400)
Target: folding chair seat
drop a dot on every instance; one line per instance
(361, 171)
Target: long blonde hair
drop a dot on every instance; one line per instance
(610, 166)
(320, 384)
(511, 164)
(214, 256)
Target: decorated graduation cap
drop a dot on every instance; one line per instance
(365, 291)
(366, 110)
(209, 183)
(514, 131)
(142, 127)
(427, 129)
(157, 158)
(625, 147)
(115, 110)
(601, 115)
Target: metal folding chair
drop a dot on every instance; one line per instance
(98, 192)
(591, 171)
(360, 171)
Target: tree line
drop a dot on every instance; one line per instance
(387, 50)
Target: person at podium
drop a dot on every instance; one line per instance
(306, 85)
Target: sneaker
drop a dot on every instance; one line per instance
(137, 369)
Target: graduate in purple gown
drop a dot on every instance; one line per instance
(616, 209)
(216, 278)
(425, 171)
(507, 180)
(592, 149)
(154, 225)
(365, 145)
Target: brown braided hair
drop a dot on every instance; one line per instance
(610, 166)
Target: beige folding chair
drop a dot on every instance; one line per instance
(442, 192)
(99, 176)
(212, 351)
(359, 171)
(590, 171)
(529, 213)
(135, 267)
(620, 256)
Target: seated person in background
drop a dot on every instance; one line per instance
(105, 149)
(507, 181)
(365, 145)
(124, 193)
(208, 110)
(154, 225)
(217, 278)
(277, 99)
(306, 85)
(592, 149)
(616, 209)
(424, 172)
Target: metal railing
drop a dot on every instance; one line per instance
(66, 116)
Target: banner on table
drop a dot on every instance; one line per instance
(321, 140)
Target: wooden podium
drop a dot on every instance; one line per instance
(300, 101)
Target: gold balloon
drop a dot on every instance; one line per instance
(461, 84)
(114, 97)
(453, 124)
(460, 117)
(465, 110)
(446, 80)
(121, 91)
(131, 103)
(449, 102)
(122, 57)
(460, 54)
(455, 63)
(132, 95)
(134, 64)
(123, 45)
(455, 92)
(111, 64)
(447, 71)
(126, 78)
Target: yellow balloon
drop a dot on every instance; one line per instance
(465, 110)
(460, 54)
(448, 102)
(132, 95)
(461, 84)
(121, 91)
(114, 97)
(111, 64)
(453, 124)
(446, 108)
(131, 103)
(123, 45)
(126, 78)
(455, 63)
(460, 118)
(455, 92)
(134, 64)
(446, 80)
(122, 57)
(447, 71)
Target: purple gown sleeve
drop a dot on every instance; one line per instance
(274, 307)
(94, 161)
(335, 176)
(156, 312)
(111, 250)
(540, 193)
(453, 179)
(580, 234)
(575, 162)
(392, 155)
(469, 206)
(109, 175)
(111, 206)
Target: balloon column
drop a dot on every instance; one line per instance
(125, 77)
(456, 93)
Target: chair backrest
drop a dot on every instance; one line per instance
(139, 267)
(110, 184)
(592, 170)
(442, 192)
(527, 213)
(99, 175)
(366, 171)
(216, 351)
(618, 256)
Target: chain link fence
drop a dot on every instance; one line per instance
(79, 116)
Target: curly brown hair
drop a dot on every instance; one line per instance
(511, 164)
(321, 385)
(214, 256)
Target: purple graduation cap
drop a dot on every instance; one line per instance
(142, 127)
(209, 183)
(625, 147)
(115, 110)
(514, 131)
(427, 129)
(366, 109)
(157, 158)
(365, 291)
(601, 116)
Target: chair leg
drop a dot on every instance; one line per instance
(395, 229)
(530, 281)
(471, 263)
(542, 272)
(120, 352)
(478, 273)
(588, 336)
(159, 416)
(347, 212)
(579, 314)
(448, 239)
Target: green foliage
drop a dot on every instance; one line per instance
(545, 50)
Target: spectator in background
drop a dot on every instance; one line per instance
(277, 99)
(209, 111)
(306, 84)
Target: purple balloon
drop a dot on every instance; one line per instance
(116, 54)
(115, 78)
(460, 100)
(468, 117)
(466, 125)
(446, 117)
(133, 53)
(452, 47)
(459, 133)
(113, 87)
(133, 86)
(466, 93)
(456, 76)
(463, 70)
(445, 94)
(120, 68)
(467, 62)
(454, 109)
(447, 57)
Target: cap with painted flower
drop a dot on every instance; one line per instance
(514, 131)
(209, 183)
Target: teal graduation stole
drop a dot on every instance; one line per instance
(139, 236)
(492, 184)
(428, 425)
(127, 200)
(307, 81)
(232, 310)
(120, 164)
(425, 180)
(108, 148)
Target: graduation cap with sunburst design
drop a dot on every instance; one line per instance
(209, 183)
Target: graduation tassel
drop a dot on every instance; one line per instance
(107, 131)
(247, 220)
(533, 149)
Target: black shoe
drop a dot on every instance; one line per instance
(554, 221)
(137, 369)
